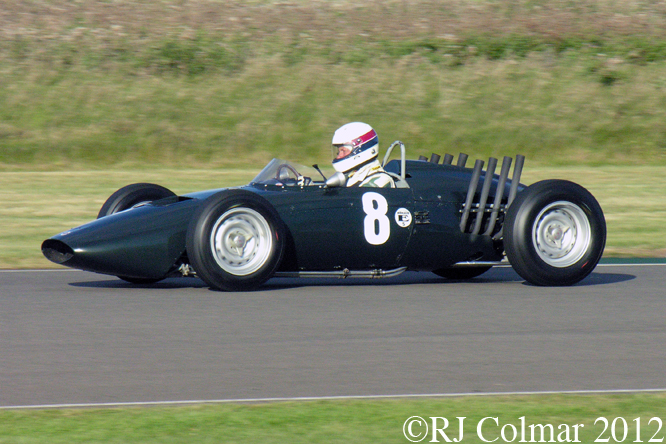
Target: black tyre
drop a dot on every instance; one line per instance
(235, 240)
(128, 197)
(554, 233)
(461, 273)
(132, 195)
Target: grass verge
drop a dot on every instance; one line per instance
(231, 83)
(349, 421)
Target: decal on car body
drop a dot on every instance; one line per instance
(376, 225)
(403, 217)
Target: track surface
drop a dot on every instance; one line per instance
(76, 337)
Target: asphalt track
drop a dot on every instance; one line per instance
(69, 337)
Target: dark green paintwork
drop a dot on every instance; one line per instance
(325, 228)
(144, 242)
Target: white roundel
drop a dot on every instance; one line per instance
(403, 217)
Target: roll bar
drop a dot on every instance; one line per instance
(402, 157)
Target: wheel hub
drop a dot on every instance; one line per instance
(241, 241)
(555, 233)
(237, 241)
(561, 234)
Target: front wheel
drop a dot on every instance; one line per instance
(235, 240)
(131, 196)
(554, 233)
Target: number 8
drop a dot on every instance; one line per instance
(376, 226)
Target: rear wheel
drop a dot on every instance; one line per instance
(235, 240)
(555, 233)
(128, 197)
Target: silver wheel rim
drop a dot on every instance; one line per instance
(241, 241)
(561, 234)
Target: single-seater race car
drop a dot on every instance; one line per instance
(292, 221)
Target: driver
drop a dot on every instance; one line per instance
(355, 150)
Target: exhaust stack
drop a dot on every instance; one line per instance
(481, 217)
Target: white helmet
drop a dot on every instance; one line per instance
(354, 144)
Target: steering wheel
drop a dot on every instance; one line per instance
(282, 175)
(283, 171)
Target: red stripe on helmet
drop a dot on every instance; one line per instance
(364, 138)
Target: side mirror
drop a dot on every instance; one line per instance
(336, 180)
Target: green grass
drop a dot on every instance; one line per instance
(555, 112)
(348, 421)
(89, 84)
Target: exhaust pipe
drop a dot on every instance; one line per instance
(496, 206)
(487, 181)
(499, 194)
(476, 174)
(515, 181)
(448, 159)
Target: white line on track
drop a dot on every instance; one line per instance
(43, 270)
(328, 398)
(656, 264)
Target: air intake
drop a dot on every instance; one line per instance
(57, 251)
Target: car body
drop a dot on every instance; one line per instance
(444, 218)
